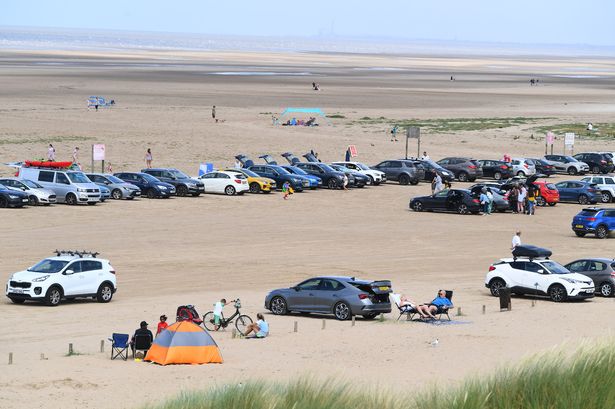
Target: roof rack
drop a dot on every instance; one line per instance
(78, 253)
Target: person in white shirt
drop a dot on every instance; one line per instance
(218, 313)
(260, 327)
(51, 153)
(237, 164)
(425, 156)
(516, 241)
(76, 155)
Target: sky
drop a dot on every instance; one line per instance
(509, 21)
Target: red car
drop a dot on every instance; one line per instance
(548, 193)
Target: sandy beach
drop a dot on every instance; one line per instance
(197, 250)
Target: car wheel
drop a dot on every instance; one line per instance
(602, 232)
(540, 201)
(116, 194)
(208, 321)
(151, 194)
(462, 176)
(583, 199)
(497, 176)
(342, 311)
(53, 296)
(606, 197)
(417, 207)
(278, 306)
(229, 190)
(32, 200)
(332, 183)
(495, 285)
(414, 182)
(17, 300)
(3, 202)
(370, 316)
(462, 208)
(254, 187)
(521, 173)
(596, 170)
(242, 322)
(606, 289)
(71, 199)
(572, 171)
(182, 191)
(371, 180)
(552, 204)
(404, 179)
(579, 233)
(557, 293)
(105, 293)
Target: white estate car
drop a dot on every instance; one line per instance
(229, 183)
(375, 176)
(606, 184)
(539, 276)
(67, 275)
(37, 194)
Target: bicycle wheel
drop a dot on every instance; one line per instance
(242, 323)
(208, 321)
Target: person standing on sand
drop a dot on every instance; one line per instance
(516, 240)
(76, 155)
(148, 158)
(51, 153)
(213, 113)
(425, 156)
(394, 134)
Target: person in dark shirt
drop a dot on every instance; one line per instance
(140, 332)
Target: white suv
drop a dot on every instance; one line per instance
(539, 276)
(606, 184)
(68, 275)
(375, 176)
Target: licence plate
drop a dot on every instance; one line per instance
(383, 288)
(579, 226)
(17, 291)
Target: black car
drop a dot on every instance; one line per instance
(465, 169)
(496, 169)
(430, 169)
(330, 177)
(12, 198)
(149, 185)
(281, 176)
(461, 201)
(542, 166)
(355, 179)
(403, 171)
(499, 203)
(184, 184)
(597, 162)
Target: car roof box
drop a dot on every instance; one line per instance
(527, 250)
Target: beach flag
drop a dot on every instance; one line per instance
(184, 343)
(205, 168)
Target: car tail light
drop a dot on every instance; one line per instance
(591, 219)
(613, 274)
(503, 167)
(472, 166)
(112, 271)
(603, 161)
(363, 296)
(237, 180)
(526, 166)
(476, 200)
(491, 268)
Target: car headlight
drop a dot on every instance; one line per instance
(39, 279)
(191, 184)
(14, 197)
(80, 189)
(162, 187)
(571, 280)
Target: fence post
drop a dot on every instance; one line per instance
(102, 345)
(484, 309)
(70, 349)
(234, 333)
(296, 329)
(324, 323)
(459, 311)
(353, 320)
(10, 358)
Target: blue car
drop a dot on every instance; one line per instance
(594, 220)
(281, 175)
(150, 186)
(315, 181)
(578, 191)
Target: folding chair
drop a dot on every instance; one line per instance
(119, 346)
(444, 311)
(141, 342)
(406, 309)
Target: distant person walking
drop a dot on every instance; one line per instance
(436, 184)
(76, 155)
(394, 133)
(516, 240)
(213, 113)
(51, 153)
(484, 201)
(287, 190)
(513, 195)
(148, 158)
(490, 197)
(521, 199)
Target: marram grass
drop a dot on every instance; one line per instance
(584, 379)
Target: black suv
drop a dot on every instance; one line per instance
(403, 171)
(431, 168)
(465, 169)
(597, 162)
(496, 169)
(542, 166)
(330, 177)
(184, 184)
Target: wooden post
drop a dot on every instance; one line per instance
(234, 333)
(459, 311)
(509, 305)
(10, 358)
(484, 309)
(102, 345)
(42, 357)
(324, 323)
(353, 320)
(70, 349)
(296, 327)
(533, 303)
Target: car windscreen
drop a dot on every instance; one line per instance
(250, 173)
(570, 159)
(31, 184)
(178, 174)
(297, 170)
(362, 166)
(588, 213)
(555, 268)
(78, 177)
(149, 177)
(551, 186)
(113, 179)
(326, 167)
(49, 266)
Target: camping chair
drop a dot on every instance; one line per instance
(444, 310)
(119, 346)
(141, 342)
(406, 309)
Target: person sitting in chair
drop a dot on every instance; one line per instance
(141, 332)
(260, 327)
(438, 305)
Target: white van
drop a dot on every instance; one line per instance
(70, 187)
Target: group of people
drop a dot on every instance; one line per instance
(51, 154)
(298, 122)
(259, 329)
(427, 311)
(522, 199)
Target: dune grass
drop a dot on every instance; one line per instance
(43, 139)
(445, 125)
(601, 130)
(556, 380)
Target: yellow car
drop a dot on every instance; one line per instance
(257, 183)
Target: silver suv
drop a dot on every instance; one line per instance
(71, 187)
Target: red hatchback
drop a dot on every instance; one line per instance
(548, 193)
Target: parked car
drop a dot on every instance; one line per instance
(542, 166)
(537, 276)
(594, 220)
(281, 176)
(522, 167)
(341, 296)
(184, 184)
(403, 171)
(71, 187)
(461, 201)
(331, 178)
(597, 162)
(12, 198)
(549, 195)
(315, 181)
(256, 183)
(499, 203)
(229, 183)
(119, 188)
(105, 193)
(428, 169)
(496, 169)
(464, 169)
(355, 178)
(37, 194)
(600, 270)
(578, 191)
(150, 186)
(375, 176)
(567, 164)
(606, 184)
(67, 275)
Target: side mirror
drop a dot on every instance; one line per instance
(541, 271)
(296, 288)
(69, 272)
(107, 182)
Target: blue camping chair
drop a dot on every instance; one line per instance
(119, 346)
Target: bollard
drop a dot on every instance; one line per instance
(234, 333)
(102, 345)
(509, 305)
(459, 311)
(10, 358)
(353, 320)
(42, 357)
(296, 327)
(533, 303)
(484, 309)
(324, 323)
(70, 349)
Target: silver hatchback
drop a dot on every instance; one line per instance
(37, 194)
(600, 270)
(119, 189)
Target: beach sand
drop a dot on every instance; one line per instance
(197, 250)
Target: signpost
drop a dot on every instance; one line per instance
(569, 142)
(549, 139)
(414, 132)
(98, 153)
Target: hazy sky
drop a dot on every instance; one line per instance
(518, 21)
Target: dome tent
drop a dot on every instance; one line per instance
(184, 343)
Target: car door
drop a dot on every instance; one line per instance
(327, 295)
(73, 281)
(395, 169)
(598, 272)
(609, 218)
(62, 183)
(576, 188)
(537, 278)
(92, 275)
(487, 168)
(564, 192)
(302, 297)
(437, 201)
(210, 182)
(517, 277)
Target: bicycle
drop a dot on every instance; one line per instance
(241, 323)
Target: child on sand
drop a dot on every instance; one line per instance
(287, 190)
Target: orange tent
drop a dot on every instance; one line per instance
(184, 343)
